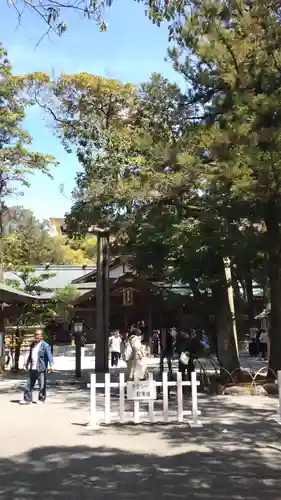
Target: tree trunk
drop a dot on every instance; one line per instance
(227, 353)
(274, 274)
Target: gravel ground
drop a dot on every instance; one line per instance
(47, 452)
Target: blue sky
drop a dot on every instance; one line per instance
(130, 50)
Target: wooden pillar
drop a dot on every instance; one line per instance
(105, 279)
(99, 301)
(102, 302)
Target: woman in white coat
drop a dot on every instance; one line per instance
(136, 358)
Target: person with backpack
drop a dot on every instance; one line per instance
(135, 355)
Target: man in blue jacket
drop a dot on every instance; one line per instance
(39, 360)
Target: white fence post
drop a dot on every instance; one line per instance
(122, 397)
(93, 401)
(151, 403)
(107, 398)
(179, 397)
(279, 392)
(165, 397)
(120, 413)
(136, 412)
(194, 422)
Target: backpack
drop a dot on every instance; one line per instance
(128, 351)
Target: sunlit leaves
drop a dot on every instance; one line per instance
(16, 161)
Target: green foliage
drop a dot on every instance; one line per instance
(16, 161)
(184, 180)
(125, 148)
(30, 283)
(58, 305)
(27, 242)
(77, 250)
(63, 300)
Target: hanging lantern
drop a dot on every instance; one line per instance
(128, 296)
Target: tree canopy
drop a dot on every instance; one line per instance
(27, 242)
(185, 179)
(16, 161)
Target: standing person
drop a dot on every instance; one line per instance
(136, 361)
(167, 349)
(263, 344)
(155, 342)
(115, 348)
(194, 346)
(205, 342)
(182, 349)
(39, 358)
(253, 351)
(188, 345)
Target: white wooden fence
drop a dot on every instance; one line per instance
(121, 415)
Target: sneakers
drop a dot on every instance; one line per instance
(25, 403)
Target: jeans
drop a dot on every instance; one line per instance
(34, 375)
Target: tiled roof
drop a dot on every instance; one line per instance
(64, 274)
(11, 295)
(68, 275)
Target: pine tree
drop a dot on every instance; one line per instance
(228, 52)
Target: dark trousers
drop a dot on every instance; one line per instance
(169, 356)
(263, 349)
(34, 375)
(187, 369)
(115, 358)
(253, 350)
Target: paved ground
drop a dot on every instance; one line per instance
(64, 357)
(47, 452)
(65, 366)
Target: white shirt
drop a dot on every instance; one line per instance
(263, 338)
(34, 355)
(115, 344)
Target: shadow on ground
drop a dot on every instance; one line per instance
(224, 424)
(235, 456)
(79, 473)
